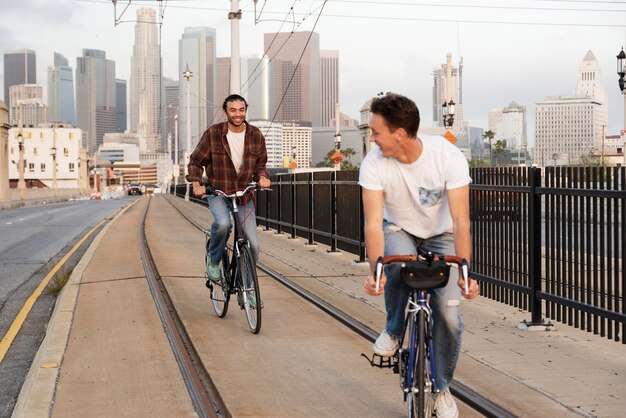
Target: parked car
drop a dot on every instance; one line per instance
(150, 188)
(134, 189)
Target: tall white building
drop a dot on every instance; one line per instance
(566, 127)
(273, 133)
(447, 85)
(589, 83)
(329, 78)
(197, 52)
(145, 76)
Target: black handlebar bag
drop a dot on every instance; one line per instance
(424, 275)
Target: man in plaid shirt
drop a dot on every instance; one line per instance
(232, 154)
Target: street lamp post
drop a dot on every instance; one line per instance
(337, 157)
(176, 162)
(188, 74)
(21, 184)
(448, 110)
(53, 152)
(621, 71)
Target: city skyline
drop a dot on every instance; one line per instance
(535, 55)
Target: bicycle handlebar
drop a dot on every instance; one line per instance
(254, 186)
(453, 259)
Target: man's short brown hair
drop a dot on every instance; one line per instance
(398, 111)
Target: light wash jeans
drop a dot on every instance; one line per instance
(444, 301)
(221, 209)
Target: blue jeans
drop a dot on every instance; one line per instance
(221, 209)
(444, 301)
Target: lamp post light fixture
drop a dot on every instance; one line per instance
(338, 141)
(448, 111)
(621, 71)
(53, 152)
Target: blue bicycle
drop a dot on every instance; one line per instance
(415, 361)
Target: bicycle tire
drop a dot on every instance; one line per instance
(220, 292)
(250, 288)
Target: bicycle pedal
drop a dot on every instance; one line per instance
(209, 284)
(380, 361)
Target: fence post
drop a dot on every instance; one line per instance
(534, 249)
(361, 228)
(310, 178)
(333, 211)
(279, 215)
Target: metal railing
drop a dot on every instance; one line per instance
(549, 241)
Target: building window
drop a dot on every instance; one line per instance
(65, 152)
(35, 151)
(71, 135)
(71, 167)
(43, 167)
(31, 167)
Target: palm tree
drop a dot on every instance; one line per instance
(489, 135)
(499, 148)
(348, 153)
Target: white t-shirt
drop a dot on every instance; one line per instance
(236, 143)
(416, 195)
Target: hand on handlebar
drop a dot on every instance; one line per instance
(264, 183)
(199, 190)
(375, 283)
(472, 289)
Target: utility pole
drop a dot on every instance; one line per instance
(234, 16)
(21, 184)
(188, 74)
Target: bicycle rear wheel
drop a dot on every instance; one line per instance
(220, 292)
(421, 394)
(250, 289)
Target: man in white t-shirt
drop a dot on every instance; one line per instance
(416, 194)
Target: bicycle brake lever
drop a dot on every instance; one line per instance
(465, 273)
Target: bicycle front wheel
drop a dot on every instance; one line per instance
(252, 303)
(220, 292)
(421, 400)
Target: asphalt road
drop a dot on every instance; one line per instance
(32, 241)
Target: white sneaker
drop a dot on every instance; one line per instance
(445, 406)
(386, 345)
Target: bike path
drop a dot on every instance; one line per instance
(565, 372)
(105, 353)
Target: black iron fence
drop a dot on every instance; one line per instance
(548, 241)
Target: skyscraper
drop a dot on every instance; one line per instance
(197, 51)
(61, 91)
(20, 67)
(295, 76)
(329, 74)
(96, 112)
(590, 83)
(145, 76)
(27, 105)
(172, 93)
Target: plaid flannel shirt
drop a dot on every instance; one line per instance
(212, 155)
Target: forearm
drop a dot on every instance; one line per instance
(463, 240)
(375, 244)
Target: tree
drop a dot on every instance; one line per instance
(348, 153)
(489, 135)
(499, 148)
(346, 164)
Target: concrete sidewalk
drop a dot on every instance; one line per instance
(110, 329)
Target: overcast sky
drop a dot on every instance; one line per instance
(513, 50)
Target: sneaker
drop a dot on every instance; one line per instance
(214, 271)
(251, 300)
(445, 406)
(386, 345)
